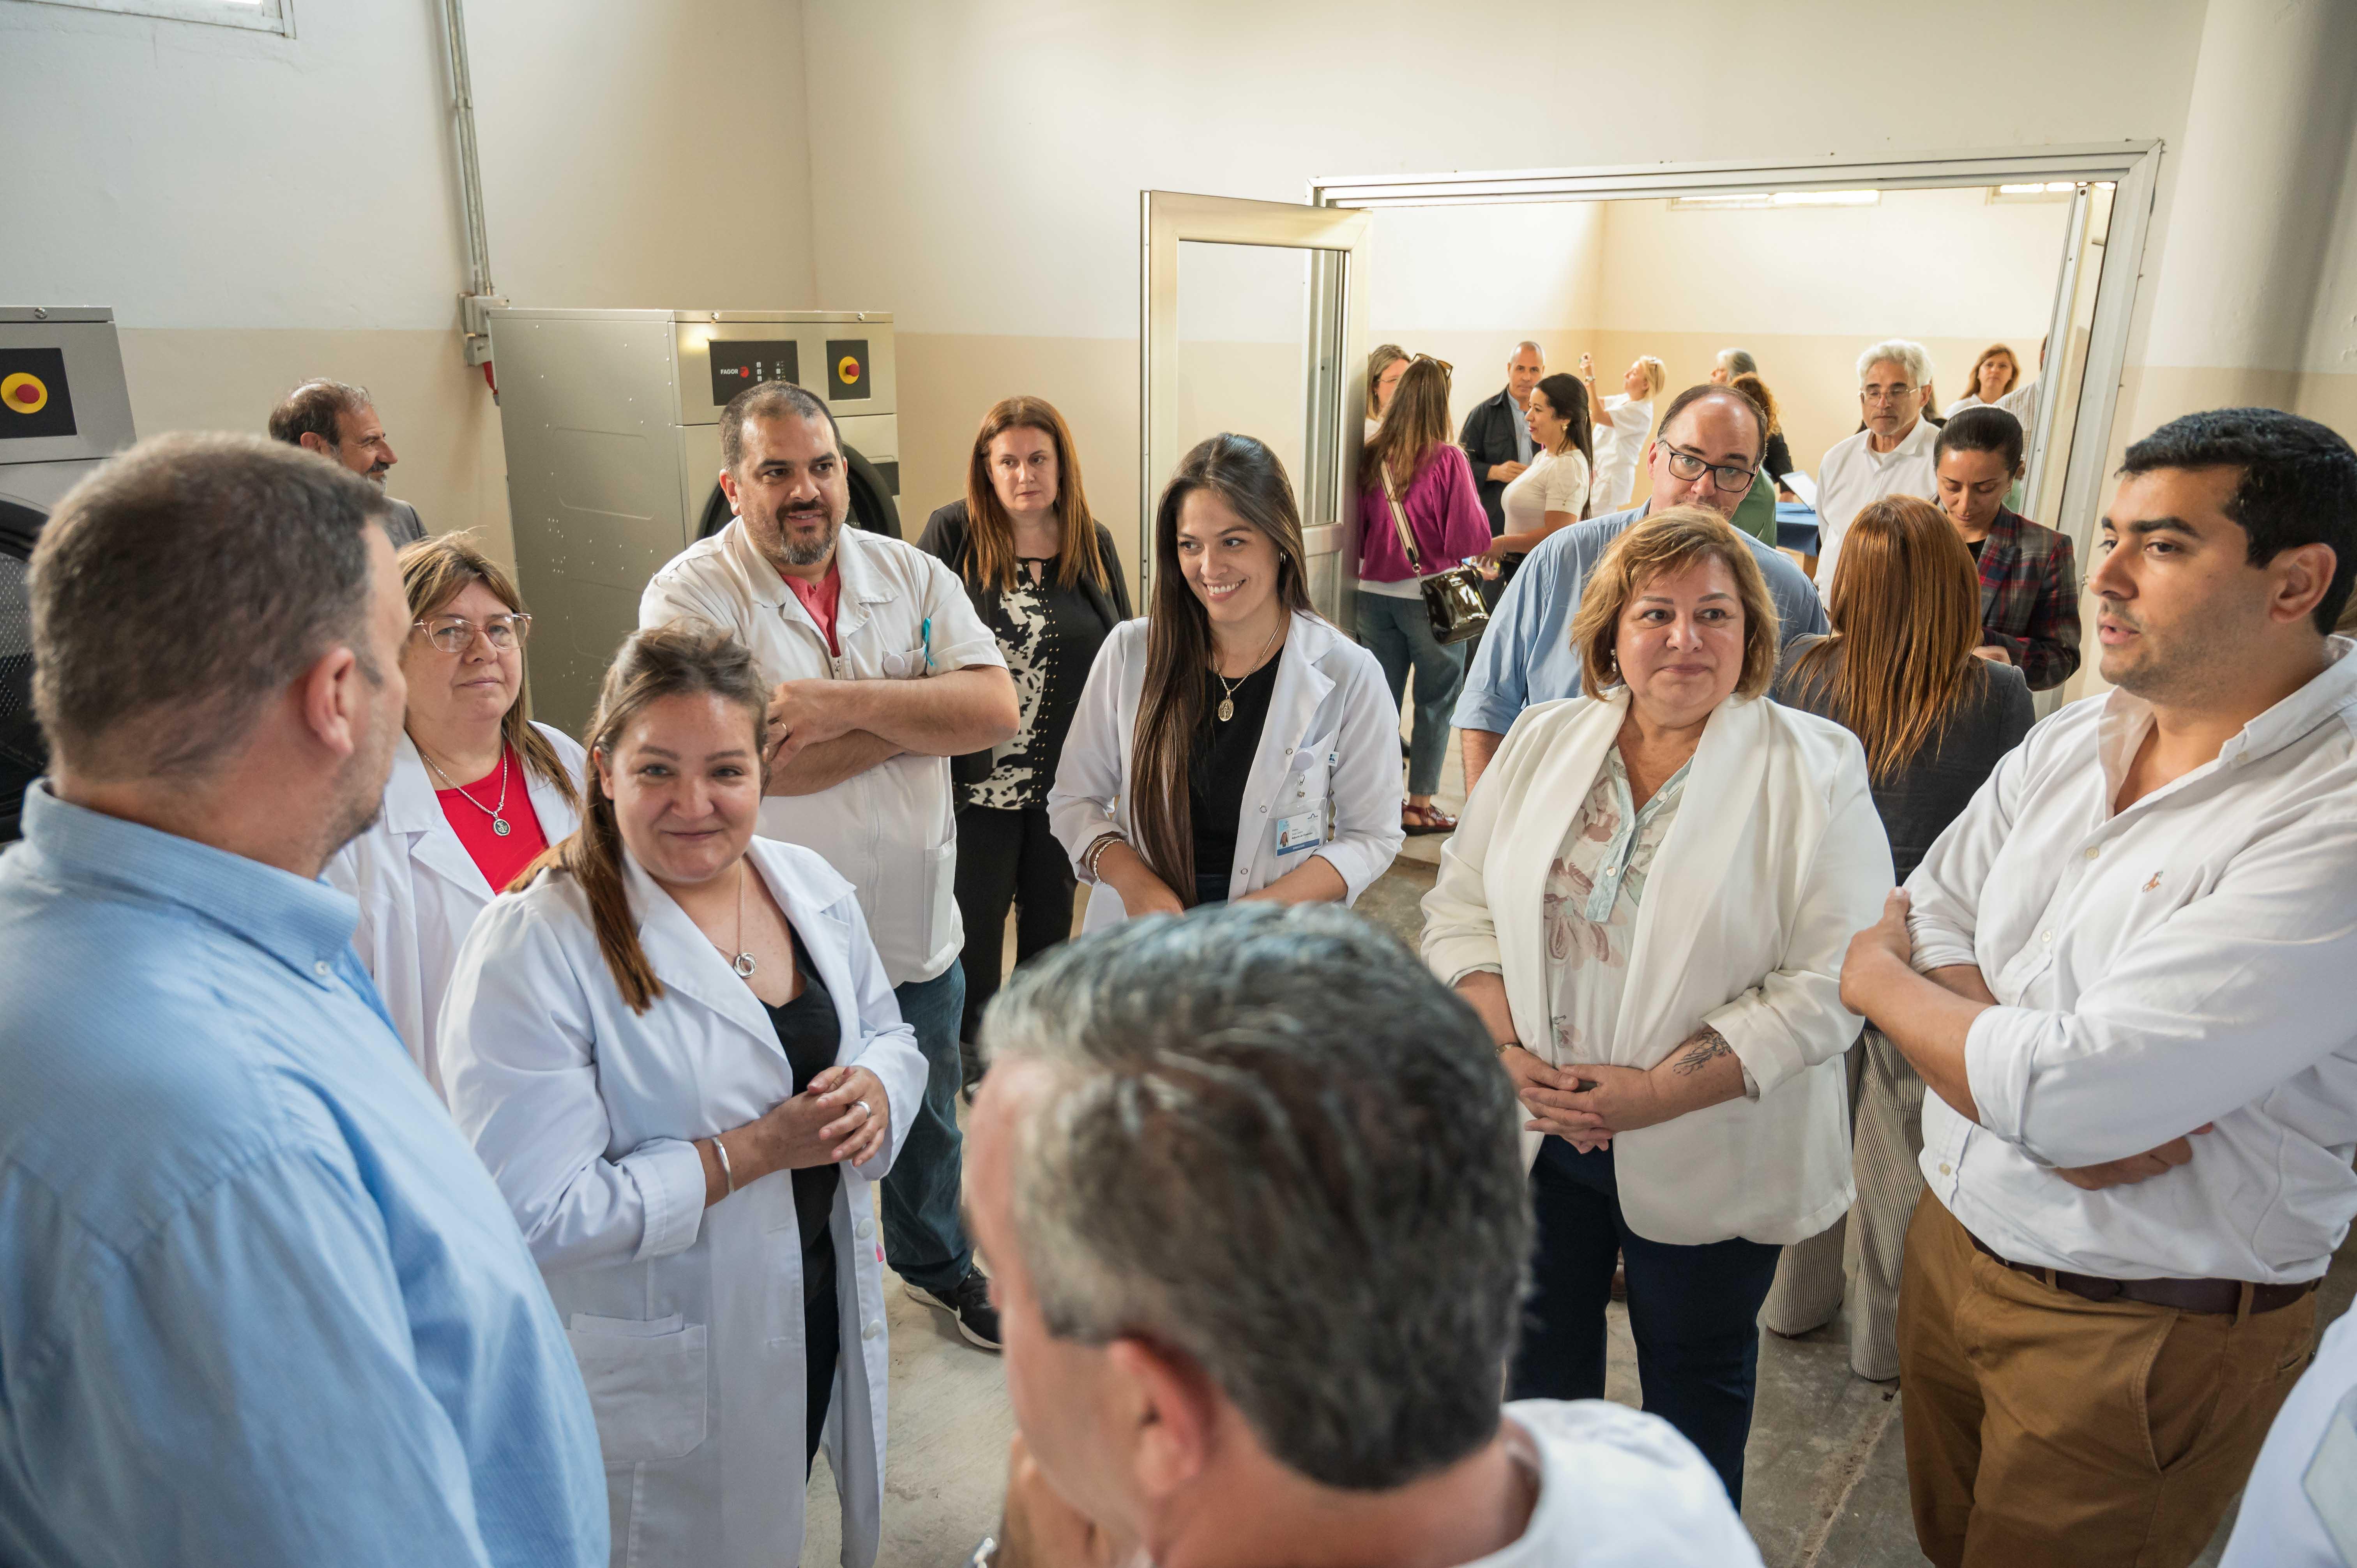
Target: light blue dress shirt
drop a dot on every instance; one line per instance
(1526, 655)
(263, 1305)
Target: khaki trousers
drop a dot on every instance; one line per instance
(2043, 1428)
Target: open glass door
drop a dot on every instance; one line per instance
(1254, 320)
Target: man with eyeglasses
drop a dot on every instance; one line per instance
(1707, 454)
(1891, 457)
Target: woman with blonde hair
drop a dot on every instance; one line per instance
(676, 1050)
(1043, 575)
(1386, 362)
(1622, 421)
(1899, 671)
(477, 789)
(1419, 515)
(1663, 985)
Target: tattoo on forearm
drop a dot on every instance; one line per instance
(1705, 1047)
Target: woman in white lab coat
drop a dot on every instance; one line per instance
(1232, 744)
(676, 1051)
(477, 791)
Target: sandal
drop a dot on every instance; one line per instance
(1418, 821)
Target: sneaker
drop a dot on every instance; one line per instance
(968, 1303)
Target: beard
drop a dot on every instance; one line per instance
(806, 554)
(360, 784)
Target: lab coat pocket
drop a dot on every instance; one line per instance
(646, 1382)
(906, 665)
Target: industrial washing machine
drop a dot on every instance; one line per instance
(64, 410)
(611, 420)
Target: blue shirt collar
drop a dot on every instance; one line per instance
(303, 924)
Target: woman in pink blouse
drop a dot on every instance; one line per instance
(1412, 458)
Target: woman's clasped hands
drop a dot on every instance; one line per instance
(1585, 1104)
(843, 1117)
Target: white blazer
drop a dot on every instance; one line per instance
(419, 890)
(687, 1321)
(1776, 859)
(1324, 782)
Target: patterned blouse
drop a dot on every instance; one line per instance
(1051, 635)
(1589, 908)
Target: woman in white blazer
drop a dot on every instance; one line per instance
(677, 1053)
(475, 793)
(1232, 744)
(1648, 902)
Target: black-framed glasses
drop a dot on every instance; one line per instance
(1690, 466)
(456, 634)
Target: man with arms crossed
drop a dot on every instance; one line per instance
(265, 1307)
(1707, 454)
(2126, 977)
(883, 672)
(1252, 1188)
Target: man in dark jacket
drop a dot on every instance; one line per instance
(1495, 436)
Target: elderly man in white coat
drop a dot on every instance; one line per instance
(1891, 457)
(475, 793)
(678, 1053)
(1234, 745)
(1662, 982)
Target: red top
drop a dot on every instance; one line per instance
(820, 598)
(497, 858)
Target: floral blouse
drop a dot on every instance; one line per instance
(1589, 908)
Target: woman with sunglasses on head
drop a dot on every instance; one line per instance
(477, 790)
(1233, 743)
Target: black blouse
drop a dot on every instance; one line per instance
(1221, 765)
(811, 1034)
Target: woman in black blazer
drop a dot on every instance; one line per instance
(1044, 578)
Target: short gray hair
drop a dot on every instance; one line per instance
(1275, 1143)
(768, 399)
(1534, 347)
(317, 407)
(1738, 363)
(181, 586)
(1907, 356)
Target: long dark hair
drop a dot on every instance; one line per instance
(1415, 426)
(683, 658)
(1569, 399)
(992, 532)
(1246, 475)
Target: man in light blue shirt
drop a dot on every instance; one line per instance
(264, 1304)
(1710, 436)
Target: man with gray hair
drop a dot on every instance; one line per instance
(1252, 1190)
(1495, 436)
(339, 422)
(264, 1305)
(1731, 363)
(1892, 456)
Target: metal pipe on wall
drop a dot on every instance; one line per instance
(480, 296)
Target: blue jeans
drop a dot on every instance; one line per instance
(1694, 1310)
(924, 1239)
(1399, 634)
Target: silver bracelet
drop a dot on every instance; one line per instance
(1095, 852)
(727, 1177)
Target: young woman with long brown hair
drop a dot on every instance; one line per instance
(1043, 575)
(1411, 459)
(1233, 743)
(1899, 671)
(677, 1052)
(477, 789)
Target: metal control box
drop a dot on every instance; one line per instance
(64, 408)
(611, 420)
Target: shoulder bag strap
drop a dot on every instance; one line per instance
(1399, 522)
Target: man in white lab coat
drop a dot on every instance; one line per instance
(1254, 1204)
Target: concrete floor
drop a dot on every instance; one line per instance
(1826, 1478)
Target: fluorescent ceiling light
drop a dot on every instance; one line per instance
(1773, 198)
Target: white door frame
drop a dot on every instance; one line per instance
(2133, 165)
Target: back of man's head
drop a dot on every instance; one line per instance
(179, 588)
(317, 407)
(2298, 483)
(1272, 1142)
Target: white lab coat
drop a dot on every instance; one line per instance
(1326, 780)
(419, 890)
(1776, 858)
(687, 1321)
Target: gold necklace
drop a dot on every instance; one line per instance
(1228, 687)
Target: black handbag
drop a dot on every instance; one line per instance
(1452, 599)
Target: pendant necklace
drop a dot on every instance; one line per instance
(742, 962)
(1228, 687)
(496, 813)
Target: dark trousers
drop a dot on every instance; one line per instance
(924, 1235)
(822, 1338)
(1694, 1310)
(1005, 857)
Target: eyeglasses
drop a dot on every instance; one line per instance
(1690, 466)
(456, 634)
(1886, 394)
